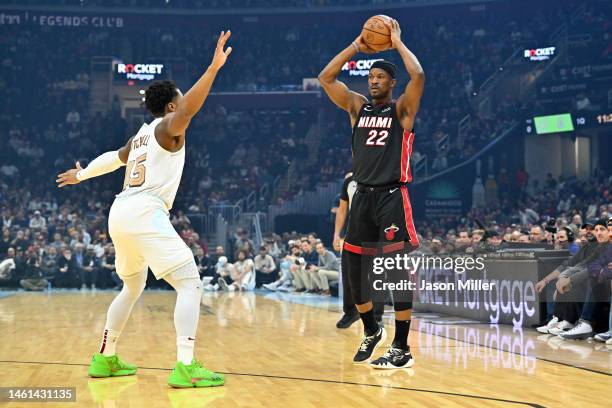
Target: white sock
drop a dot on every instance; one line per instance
(187, 284)
(109, 342)
(184, 349)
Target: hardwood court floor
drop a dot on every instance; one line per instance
(280, 354)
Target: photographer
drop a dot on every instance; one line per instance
(33, 279)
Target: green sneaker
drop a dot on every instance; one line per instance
(194, 375)
(113, 366)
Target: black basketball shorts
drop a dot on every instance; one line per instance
(380, 219)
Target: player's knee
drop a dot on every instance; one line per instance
(185, 277)
(192, 284)
(134, 287)
(402, 307)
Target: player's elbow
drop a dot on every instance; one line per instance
(325, 78)
(420, 75)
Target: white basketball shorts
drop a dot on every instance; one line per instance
(143, 236)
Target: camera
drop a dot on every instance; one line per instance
(551, 226)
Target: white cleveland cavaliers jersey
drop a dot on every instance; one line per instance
(151, 169)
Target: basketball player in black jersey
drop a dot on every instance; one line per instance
(381, 211)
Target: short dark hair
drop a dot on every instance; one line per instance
(158, 95)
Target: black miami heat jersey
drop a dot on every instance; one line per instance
(381, 147)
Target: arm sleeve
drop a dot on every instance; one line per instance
(105, 163)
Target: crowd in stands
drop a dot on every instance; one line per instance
(578, 85)
(516, 200)
(211, 4)
(56, 127)
(48, 228)
(47, 243)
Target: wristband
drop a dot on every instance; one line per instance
(354, 44)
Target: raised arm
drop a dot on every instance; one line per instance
(103, 164)
(171, 130)
(337, 90)
(408, 102)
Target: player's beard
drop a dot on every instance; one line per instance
(379, 94)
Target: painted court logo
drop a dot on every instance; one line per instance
(390, 232)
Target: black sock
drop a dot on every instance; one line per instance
(370, 326)
(402, 328)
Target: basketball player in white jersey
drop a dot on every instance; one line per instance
(141, 230)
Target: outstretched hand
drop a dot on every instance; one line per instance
(220, 54)
(396, 32)
(69, 177)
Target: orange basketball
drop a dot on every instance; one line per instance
(376, 34)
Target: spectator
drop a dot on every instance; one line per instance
(57, 243)
(601, 270)
(90, 268)
(67, 270)
(572, 282)
(283, 283)
(536, 235)
(223, 271)
(201, 260)
(107, 266)
(565, 309)
(564, 239)
(33, 279)
(302, 270)
(326, 270)
(264, 267)
(37, 222)
(7, 266)
(5, 241)
(243, 277)
(49, 262)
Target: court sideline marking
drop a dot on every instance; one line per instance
(280, 377)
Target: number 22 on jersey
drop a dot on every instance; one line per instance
(135, 172)
(377, 138)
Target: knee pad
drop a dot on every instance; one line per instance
(185, 277)
(134, 286)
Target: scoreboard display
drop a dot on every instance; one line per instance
(568, 122)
